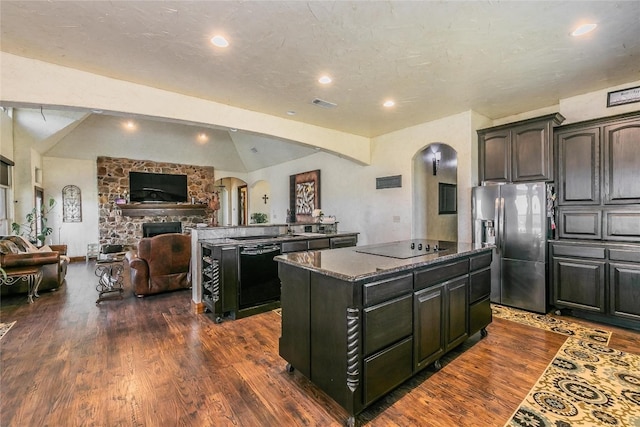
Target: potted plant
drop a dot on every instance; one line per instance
(28, 229)
(259, 218)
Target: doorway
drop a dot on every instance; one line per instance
(435, 195)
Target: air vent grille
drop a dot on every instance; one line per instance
(324, 104)
(389, 182)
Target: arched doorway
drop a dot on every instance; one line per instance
(231, 204)
(435, 195)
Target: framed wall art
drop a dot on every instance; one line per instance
(304, 195)
(447, 198)
(625, 96)
(71, 204)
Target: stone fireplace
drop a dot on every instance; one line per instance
(122, 226)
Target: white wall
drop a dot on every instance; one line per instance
(59, 173)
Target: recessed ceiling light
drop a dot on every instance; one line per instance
(219, 41)
(291, 113)
(203, 137)
(130, 125)
(584, 29)
(389, 103)
(325, 80)
(233, 130)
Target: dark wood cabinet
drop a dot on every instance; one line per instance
(598, 165)
(622, 162)
(600, 279)
(579, 284)
(624, 290)
(578, 153)
(495, 160)
(518, 152)
(357, 338)
(428, 326)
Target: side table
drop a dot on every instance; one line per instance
(110, 282)
(31, 275)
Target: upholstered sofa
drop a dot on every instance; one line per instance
(161, 263)
(17, 252)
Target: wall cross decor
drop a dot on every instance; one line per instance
(265, 198)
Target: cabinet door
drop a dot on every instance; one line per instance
(579, 152)
(494, 154)
(624, 288)
(580, 223)
(457, 309)
(428, 326)
(579, 284)
(531, 152)
(622, 162)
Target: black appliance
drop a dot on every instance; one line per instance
(150, 229)
(259, 281)
(157, 187)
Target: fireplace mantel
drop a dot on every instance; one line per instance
(162, 209)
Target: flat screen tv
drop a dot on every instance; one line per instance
(147, 187)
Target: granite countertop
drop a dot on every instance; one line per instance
(353, 263)
(274, 239)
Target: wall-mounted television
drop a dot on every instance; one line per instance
(145, 187)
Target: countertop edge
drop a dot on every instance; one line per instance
(409, 266)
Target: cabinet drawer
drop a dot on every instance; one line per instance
(383, 290)
(343, 242)
(297, 246)
(387, 323)
(387, 369)
(431, 276)
(319, 244)
(622, 225)
(479, 285)
(480, 261)
(624, 255)
(580, 224)
(579, 251)
(479, 315)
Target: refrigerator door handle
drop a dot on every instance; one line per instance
(502, 224)
(496, 225)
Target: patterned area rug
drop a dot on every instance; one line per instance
(586, 384)
(4, 328)
(550, 323)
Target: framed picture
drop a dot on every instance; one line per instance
(304, 195)
(624, 96)
(71, 204)
(447, 196)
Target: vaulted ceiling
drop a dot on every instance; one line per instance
(433, 59)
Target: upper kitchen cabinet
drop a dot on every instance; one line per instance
(622, 162)
(578, 152)
(598, 162)
(518, 152)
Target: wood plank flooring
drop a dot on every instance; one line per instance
(153, 362)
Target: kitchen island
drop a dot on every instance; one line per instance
(359, 321)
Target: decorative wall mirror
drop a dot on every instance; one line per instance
(71, 204)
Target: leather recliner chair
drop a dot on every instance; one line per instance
(161, 263)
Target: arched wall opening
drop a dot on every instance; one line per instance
(435, 195)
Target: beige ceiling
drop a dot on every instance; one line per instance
(433, 58)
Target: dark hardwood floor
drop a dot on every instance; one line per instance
(154, 362)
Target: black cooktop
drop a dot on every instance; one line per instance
(405, 248)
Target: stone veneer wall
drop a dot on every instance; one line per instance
(113, 180)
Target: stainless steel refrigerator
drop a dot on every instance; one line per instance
(514, 218)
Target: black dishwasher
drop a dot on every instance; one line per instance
(259, 282)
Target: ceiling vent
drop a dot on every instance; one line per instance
(324, 104)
